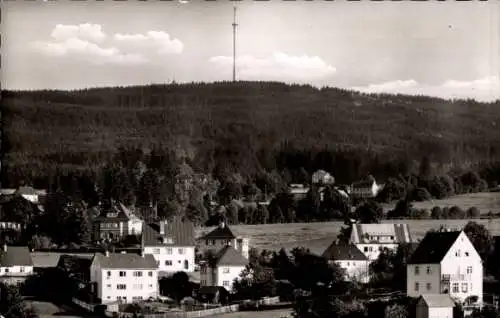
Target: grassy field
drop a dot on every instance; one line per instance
(317, 236)
(280, 313)
(485, 202)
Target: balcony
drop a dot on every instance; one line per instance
(456, 277)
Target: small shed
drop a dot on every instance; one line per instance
(435, 306)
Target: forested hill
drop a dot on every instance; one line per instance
(246, 127)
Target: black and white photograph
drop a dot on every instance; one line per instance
(250, 159)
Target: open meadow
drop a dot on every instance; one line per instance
(484, 201)
(317, 236)
(279, 313)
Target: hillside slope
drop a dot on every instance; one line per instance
(246, 124)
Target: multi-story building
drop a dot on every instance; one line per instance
(221, 237)
(125, 278)
(223, 268)
(365, 189)
(15, 264)
(172, 244)
(446, 263)
(373, 238)
(116, 222)
(351, 259)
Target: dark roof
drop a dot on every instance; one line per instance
(219, 233)
(437, 300)
(181, 232)
(229, 256)
(341, 252)
(122, 214)
(15, 256)
(433, 247)
(125, 261)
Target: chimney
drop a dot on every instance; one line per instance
(162, 227)
(106, 253)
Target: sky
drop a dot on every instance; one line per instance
(446, 49)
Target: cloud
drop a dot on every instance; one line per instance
(86, 31)
(484, 89)
(155, 40)
(278, 66)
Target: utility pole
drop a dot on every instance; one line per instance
(234, 43)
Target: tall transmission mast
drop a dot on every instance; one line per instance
(234, 43)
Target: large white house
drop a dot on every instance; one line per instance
(125, 278)
(223, 268)
(15, 264)
(373, 238)
(221, 237)
(351, 259)
(446, 263)
(172, 245)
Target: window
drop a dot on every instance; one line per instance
(226, 270)
(225, 283)
(348, 264)
(206, 242)
(122, 274)
(392, 237)
(428, 286)
(417, 270)
(150, 285)
(466, 253)
(457, 253)
(109, 273)
(169, 251)
(121, 286)
(416, 286)
(115, 225)
(168, 263)
(21, 269)
(6, 270)
(366, 249)
(203, 282)
(455, 288)
(156, 251)
(180, 251)
(464, 287)
(138, 274)
(108, 286)
(203, 270)
(469, 269)
(428, 269)
(213, 242)
(150, 274)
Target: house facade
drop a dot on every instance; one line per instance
(223, 268)
(125, 278)
(16, 264)
(116, 223)
(221, 237)
(349, 258)
(365, 189)
(446, 263)
(371, 239)
(172, 244)
(434, 306)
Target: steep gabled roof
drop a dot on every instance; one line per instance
(122, 214)
(229, 256)
(343, 252)
(219, 233)
(433, 247)
(437, 300)
(181, 232)
(15, 256)
(368, 233)
(124, 261)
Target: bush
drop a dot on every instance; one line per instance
(473, 212)
(436, 213)
(456, 213)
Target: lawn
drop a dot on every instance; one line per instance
(484, 201)
(279, 313)
(317, 236)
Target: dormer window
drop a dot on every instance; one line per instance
(111, 215)
(167, 240)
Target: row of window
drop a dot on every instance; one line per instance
(135, 274)
(120, 298)
(109, 225)
(124, 286)
(429, 270)
(213, 242)
(455, 287)
(169, 251)
(225, 270)
(21, 270)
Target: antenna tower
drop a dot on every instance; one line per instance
(234, 43)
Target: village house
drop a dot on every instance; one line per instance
(221, 237)
(222, 268)
(125, 278)
(351, 259)
(446, 262)
(434, 306)
(116, 223)
(15, 264)
(321, 177)
(172, 244)
(365, 189)
(30, 194)
(371, 239)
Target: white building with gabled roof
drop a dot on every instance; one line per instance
(223, 268)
